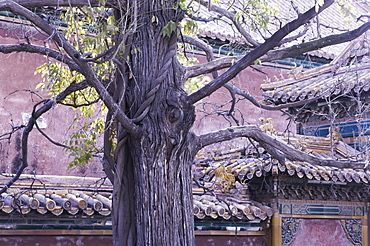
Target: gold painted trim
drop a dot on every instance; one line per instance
(365, 236)
(55, 232)
(109, 233)
(321, 202)
(310, 216)
(230, 233)
(276, 237)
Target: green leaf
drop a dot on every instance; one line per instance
(168, 29)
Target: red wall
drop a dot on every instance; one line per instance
(321, 232)
(70, 240)
(73, 240)
(17, 79)
(231, 240)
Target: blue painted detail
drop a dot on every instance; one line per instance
(323, 210)
(348, 129)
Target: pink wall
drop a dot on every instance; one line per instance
(231, 240)
(248, 80)
(321, 232)
(17, 79)
(45, 240)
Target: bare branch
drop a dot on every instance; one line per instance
(196, 18)
(49, 138)
(61, 3)
(198, 43)
(316, 44)
(224, 62)
(74, 55)
(295, 37)
(48, 104)
(201, 45)
(40, 50)
(8, 135)
(257, 53)
(231, 17)
(258, 135)
(272, 55)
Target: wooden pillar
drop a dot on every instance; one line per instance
(276, 239)
(365, 228)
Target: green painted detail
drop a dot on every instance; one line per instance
(315, 209)
(218, 224)
(325, 210)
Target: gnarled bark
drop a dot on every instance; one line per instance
(152, 187)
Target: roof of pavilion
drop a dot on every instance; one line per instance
(347, 75)
(78, 197)
(285, 12)
(253, 161)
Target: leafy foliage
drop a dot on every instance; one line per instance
(195, 83)
(91, 31)
(257, 13)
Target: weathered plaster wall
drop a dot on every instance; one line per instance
(248, 80)
(321, 232)
(70, 240)
(231, 240)
(18, 95)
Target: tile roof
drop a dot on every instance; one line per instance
(222, 27)
(89, 197)
(55, 194)
(253, 161)
(228, 206)
(347, 73)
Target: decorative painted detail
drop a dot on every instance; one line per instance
(359, 211)
(301, 192)
(353, 229)
(320, 209)
(290, 227)
(286, 209)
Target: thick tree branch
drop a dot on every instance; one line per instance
(40, 50)
(256, 53)
(209, 67)
(316, 44)
(272, 55)
(201, 45)
(260, 136)
(86, 69)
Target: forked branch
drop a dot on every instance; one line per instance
(226, 62)
(248, 59)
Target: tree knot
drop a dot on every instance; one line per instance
(174, 114)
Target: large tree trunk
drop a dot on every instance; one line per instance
(152, 187)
